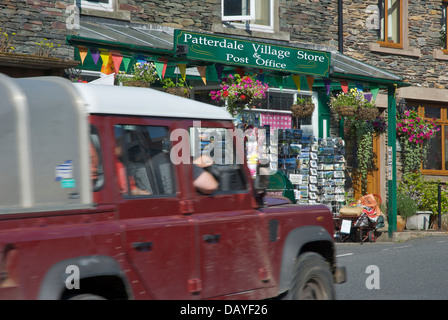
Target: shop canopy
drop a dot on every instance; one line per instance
(106, 45)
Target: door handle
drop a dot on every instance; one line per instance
(142, 246)
(211, 238)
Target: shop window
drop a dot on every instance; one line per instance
(104, 5)
(391, 26)
(256, 14)
(142, 161)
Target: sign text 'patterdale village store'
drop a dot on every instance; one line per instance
(253, 54)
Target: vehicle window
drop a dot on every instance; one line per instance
(225, 148)
(96, 162)
(142, 161)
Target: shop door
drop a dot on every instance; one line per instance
(373, 178)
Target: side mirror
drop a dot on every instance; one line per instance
(261, 182)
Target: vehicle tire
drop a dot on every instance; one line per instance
(86, 296)
(313, 279)
(372, 236)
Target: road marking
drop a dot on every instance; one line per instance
(344, 255)
(402, 247)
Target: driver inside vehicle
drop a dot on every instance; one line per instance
(203, 180)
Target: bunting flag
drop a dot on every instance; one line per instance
(183, 70)
(95, 55)
(310, 81)
(161, 64)
(83, 51)
(359, 86)
(126, 62)
(201, 70)
(327, 83)
(219, 68)
(117, 59)
(374, 91)
(368, 96)
(296, 79)
(108, 65)
(105, 55)
(344, 86)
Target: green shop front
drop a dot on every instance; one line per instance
(203, 60)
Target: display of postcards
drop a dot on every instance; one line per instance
(339, 198)
(313, 156)
(297, 134)
(339, 151)
(273, 157)
(313, 188)
(296, 194)
(295, 148)
(303, 171)
(304, 155)
(328, 150)
(320, 166)
(306, 137)
(329, 197)
(328, 166)
(289, 134)
(339, 174)
(339, 166)
(329, 190)
(303, 193)
(339, 182)
(320, 174)
(273, 149)
(320, 182)
(329, 183)
(313, 171)
(305, 180)
(290, 164)
(273, 166)
(329, 159)
(312, 202)
(313, 164)
(339, 158)
(305, 146)
(295, 178)
(328, 174)
(314, 147)
(281, 163)
(284, 148)
(313, 179)
(312, 195)
(339, 189)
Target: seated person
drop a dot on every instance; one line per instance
(203, 180)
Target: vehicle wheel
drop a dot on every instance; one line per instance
(372, 236)
(313, 279)
(86, 296)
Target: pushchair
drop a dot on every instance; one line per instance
(360, 221)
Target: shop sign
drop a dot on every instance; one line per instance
(247, 53)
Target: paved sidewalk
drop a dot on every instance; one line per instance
(408, 235)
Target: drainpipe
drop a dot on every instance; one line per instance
(340, 28)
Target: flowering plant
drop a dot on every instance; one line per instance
(143, 74)
(413, 133)
(239, 91)
(5, 41)
(45, 48)
(414, 128)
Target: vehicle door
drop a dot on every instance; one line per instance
(158, 236)
(230, 232)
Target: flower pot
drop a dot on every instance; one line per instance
(367, 113)
(419, 221)
(136, 83)
(345, 111)
(302, 111)
(401, 223)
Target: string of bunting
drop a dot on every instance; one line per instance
(112, 61)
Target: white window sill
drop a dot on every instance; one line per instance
(440, 55)
(411, 52)
(266, 34)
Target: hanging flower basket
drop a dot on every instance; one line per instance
(345, 111)
(302, 111)
(136, 83)
(368, 113)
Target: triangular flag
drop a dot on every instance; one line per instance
(374, 92)
(201, 70)
(117, 59)
(183, 70)
(160, 68)
(105, 55)
(219, 68)
(368, 96)
(359, 86)
(165, 63)
(296, 79)
(344, 86)
(83, 53)
(95, 54)
(310, 81)
(126, 61)
(327, 83)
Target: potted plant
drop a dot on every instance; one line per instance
(239, 92)
(406, 207)
(367, 111)
(303, 108)
(142, 75)
(346, 104)
(178, 88)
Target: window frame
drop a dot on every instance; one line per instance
(245, 22)
(445, 11)
(383, 10)
(86, 4)
(442, 123)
